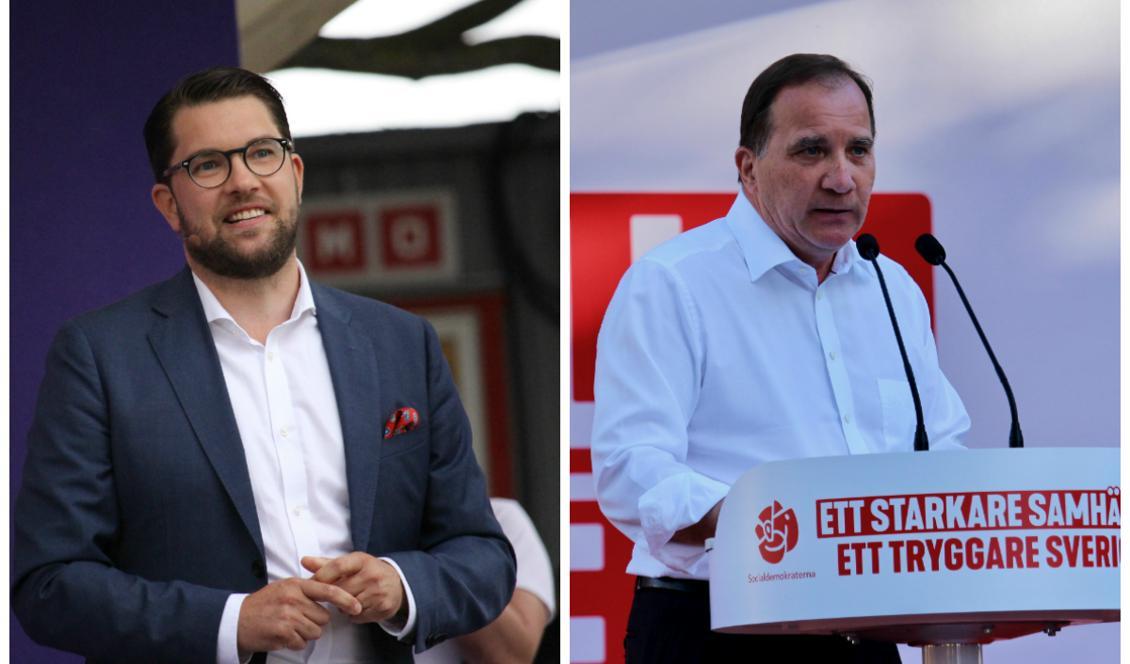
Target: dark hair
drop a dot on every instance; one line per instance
(796, 69)
(215, 84)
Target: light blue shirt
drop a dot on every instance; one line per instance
(719, 352)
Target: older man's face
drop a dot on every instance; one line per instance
(813, 181)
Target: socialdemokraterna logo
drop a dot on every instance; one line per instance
(776, 531)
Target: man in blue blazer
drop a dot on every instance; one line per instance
(237, 461)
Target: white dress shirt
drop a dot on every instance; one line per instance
(720, 351)
(282, 395)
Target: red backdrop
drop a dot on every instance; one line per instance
(601, 252)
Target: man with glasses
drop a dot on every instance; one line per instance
(239, 461)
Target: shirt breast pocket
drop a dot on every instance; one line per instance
(898, 415)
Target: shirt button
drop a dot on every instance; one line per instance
(271, 356)
(283, 432)
(832, 355)
(847, 419)
(297, 511)
(819, 295)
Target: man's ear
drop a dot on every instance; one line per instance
(166, 204)
(299, 169)
(745, 159)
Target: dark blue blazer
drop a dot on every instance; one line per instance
(136, 519)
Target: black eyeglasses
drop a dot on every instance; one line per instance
(211, 168)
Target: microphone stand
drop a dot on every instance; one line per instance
(869, 249)
(932, 251)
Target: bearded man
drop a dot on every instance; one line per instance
(237, 464)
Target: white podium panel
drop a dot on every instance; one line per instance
(927, 547)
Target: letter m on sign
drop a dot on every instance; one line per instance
(335, 241)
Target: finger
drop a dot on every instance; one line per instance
(322, 592)
(371, 615)
(379, 604)
(314, 563)
(307, 630)
(375, 576)
(375, 570)
(346, 565)
(316, 613)
(374, 590)
(382, 581)
(294, 641)
(383, 604)
(358, 585)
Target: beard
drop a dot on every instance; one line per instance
(222, 258)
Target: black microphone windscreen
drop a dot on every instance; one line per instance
(868, 246)
(930, 249)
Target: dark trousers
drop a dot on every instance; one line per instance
(674, 626)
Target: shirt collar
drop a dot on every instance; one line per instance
(764, 250)
(848, 258)
(214, 311)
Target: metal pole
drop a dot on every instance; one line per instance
(952, 653)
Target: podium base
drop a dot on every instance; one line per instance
(952, 653)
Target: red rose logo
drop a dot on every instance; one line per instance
(776, 532)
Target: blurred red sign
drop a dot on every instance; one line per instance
(335, 241)
(410, 236)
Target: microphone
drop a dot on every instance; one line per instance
(932, 251)
(868, 248)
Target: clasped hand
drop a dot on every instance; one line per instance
(287, 613)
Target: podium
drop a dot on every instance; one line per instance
(944, 550)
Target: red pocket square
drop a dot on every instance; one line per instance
(401, 421)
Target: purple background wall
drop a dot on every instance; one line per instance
(83, 231)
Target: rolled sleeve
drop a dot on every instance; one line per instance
(673, 504)
(649, 370)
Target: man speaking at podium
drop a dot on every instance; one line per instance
(760, 336)
(239, 461)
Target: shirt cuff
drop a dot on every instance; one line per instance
(227, 641)
(390, 626)
(677, 502)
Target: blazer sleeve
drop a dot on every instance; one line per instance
(66, 590)
(464, 575)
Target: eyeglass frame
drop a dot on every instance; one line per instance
(287, 145)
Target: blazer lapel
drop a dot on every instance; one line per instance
(353, 367)
(183, 343)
